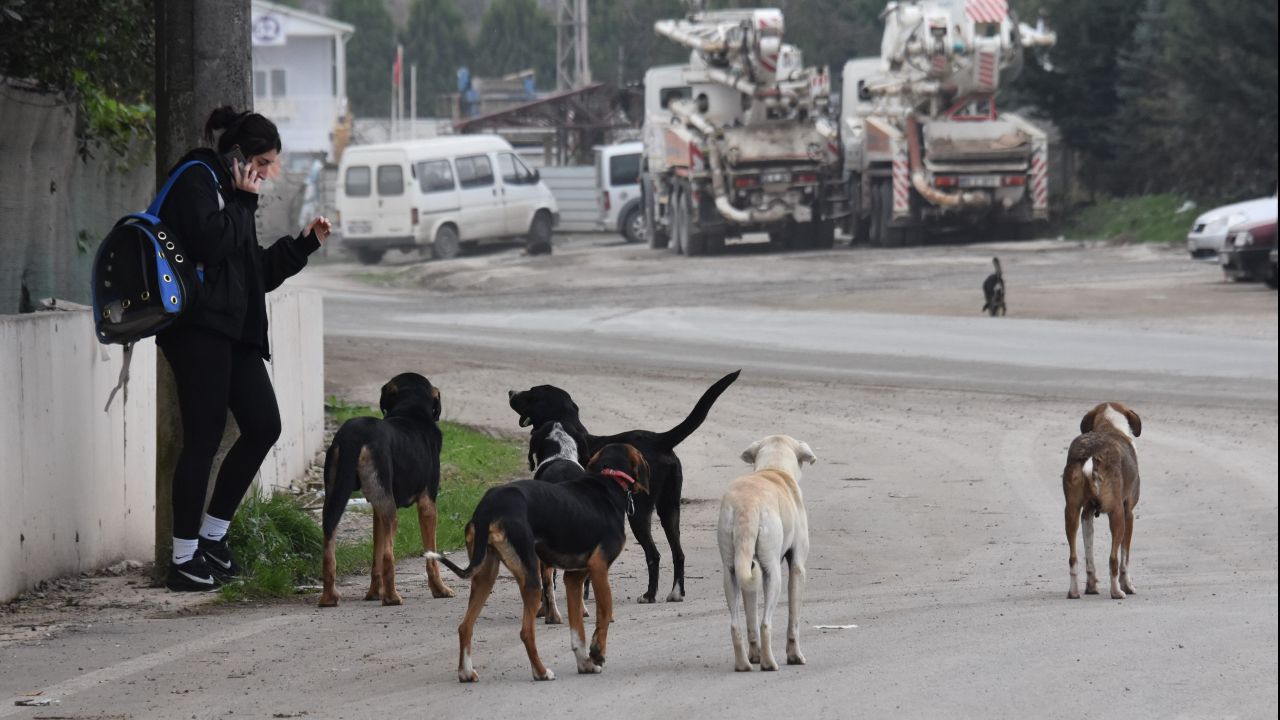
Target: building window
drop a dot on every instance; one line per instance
(269, 83)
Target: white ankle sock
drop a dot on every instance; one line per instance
(183, 550)
(213, 528)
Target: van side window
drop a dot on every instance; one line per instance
(435, 176)
(514, 171)
(390, 180)
(624, 170)
(475, 171)
(357, 181)
(666, 95)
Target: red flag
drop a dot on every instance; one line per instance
(398, 67)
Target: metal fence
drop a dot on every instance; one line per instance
(575, 189)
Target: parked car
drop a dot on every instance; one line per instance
(1247, 252)
(1209, 231)
(618, 182)
(437, 195)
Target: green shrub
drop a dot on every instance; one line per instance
(1147, 218)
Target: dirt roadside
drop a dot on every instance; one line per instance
(935, 515)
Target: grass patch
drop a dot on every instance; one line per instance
(1147, 218)
(279, 544)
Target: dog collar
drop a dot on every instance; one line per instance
(624, 480)
(548, 461)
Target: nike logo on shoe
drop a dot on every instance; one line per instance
(224, 565)
(196, 578)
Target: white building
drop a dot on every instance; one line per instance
(300, 77)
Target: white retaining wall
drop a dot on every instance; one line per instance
(77, 485)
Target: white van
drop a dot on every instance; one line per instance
(618, 183)
(440, 194)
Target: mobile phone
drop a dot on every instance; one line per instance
(235, 156)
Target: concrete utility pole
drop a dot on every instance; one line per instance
(204, 60)
(573, 62)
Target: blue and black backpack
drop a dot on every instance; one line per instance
(143, 281)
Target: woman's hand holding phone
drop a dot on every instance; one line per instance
(245, 177)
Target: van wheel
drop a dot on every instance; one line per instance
(369, 256)
(633, 226)
(538, 241)
(446, 244)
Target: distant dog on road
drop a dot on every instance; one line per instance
(762, 522)
(993, 290)
(395, 462)
(1101, 476)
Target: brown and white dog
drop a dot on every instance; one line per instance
(1101, 476)
(762, 522)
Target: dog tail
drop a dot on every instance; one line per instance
(677, 434)
(340, 480)
(746, 532)
(464, 573)
(477, 545)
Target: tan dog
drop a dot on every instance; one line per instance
(1102, 477)
(763, 521)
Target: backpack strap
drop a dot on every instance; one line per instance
(152, 212)
(123, 379)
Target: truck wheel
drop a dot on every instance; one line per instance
(369, 256)
(693, 241)
(824, 235)
(538, 241)
(633, 226)
(446, 244)
(881, 232)
(679, 224)
(658, 237)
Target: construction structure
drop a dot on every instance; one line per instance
(741, 139)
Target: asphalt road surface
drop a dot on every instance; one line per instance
(938, 550)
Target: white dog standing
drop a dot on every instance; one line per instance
(762, 521)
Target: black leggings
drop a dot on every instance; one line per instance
(215, 374)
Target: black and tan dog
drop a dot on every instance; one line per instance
(547, 403)
(1101, 476)
(553, 458)
(993, 291)
(575, 526)
(395, 462)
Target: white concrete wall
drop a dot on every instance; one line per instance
(77, 485)
(296, 319)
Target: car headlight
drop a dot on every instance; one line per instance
(1244, 239)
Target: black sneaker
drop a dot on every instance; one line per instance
(218, 557)
(190, 576)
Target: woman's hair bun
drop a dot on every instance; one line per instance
(220, 119)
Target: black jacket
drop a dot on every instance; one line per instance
(238, 272)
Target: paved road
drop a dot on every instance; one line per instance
(935, 507)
